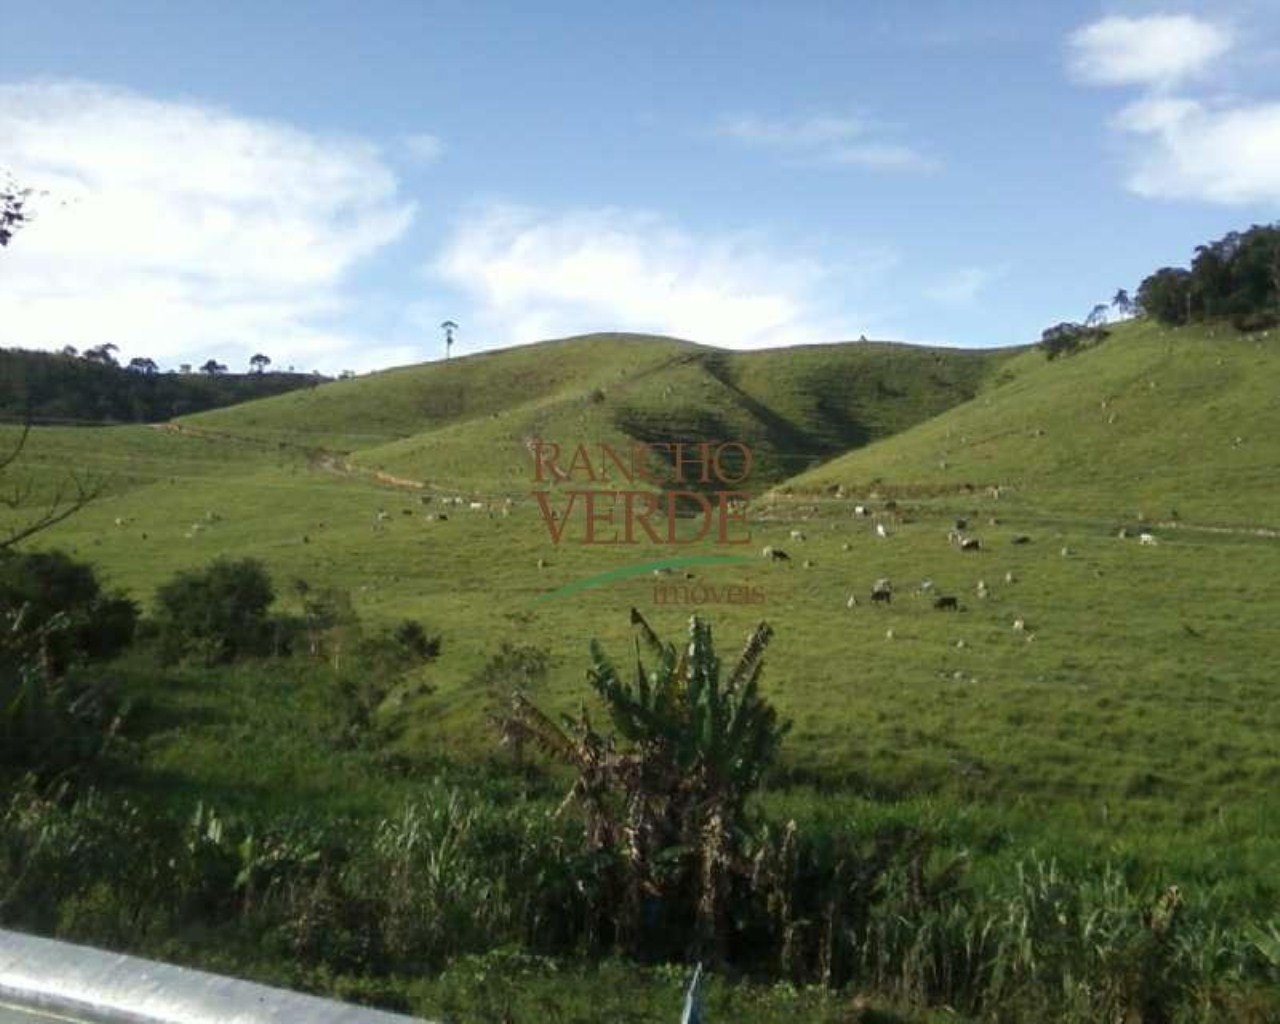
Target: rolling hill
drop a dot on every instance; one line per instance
(1132, 644)
(463, 423)
(1156, 424)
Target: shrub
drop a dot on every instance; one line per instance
(219, 612)
(53, 615)
(413, 641)
(1067, 338)
(1248, 323)
(40, 588)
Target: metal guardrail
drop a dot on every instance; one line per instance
(96, 987)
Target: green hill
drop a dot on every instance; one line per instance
(464, 423)
(1132, 644)
(1157, 423)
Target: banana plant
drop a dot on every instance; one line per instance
(667, 790)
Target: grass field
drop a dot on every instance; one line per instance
(1131, 719)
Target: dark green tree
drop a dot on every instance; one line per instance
(38, 587)
(103, 354)
(53, 616)
(1166, 295)
(219, 612)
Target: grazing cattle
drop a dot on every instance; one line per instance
(382, 516)
(808, 563)
(775, 554)
(844, 546)
(962, 524)
(860, 510)
(1009, 577)
(1066, 552)
(982, 588)
(881, 597)
(797, 535)
(1021, 538)
(1019, 626)
(852, 602)
(945, 602)
(970, 544)
(1147, 538)
(119, 521)
(881, 531)
(543, 563)
(476, 506)
(888, 634)
(926, 586)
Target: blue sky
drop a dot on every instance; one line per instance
(326, 184)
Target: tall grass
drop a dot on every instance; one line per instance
(458, 874)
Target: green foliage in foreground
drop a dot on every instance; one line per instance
(452, 879)
(669, 808)
(56, 716)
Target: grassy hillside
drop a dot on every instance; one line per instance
(463, 423)
(1159, 423)
(1130, 721)
(1126, 637)
(53, 388)
(381, 407)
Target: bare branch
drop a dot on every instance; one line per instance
(6, 460)
(68, 498)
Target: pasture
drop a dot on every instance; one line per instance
(1092, 698)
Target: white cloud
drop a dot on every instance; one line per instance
(812, 131)
(179, 230)
(824, 139)
(1188, 150)
(962, 286)
(1158, 50)
(1181, 147)
(423, 148)
(533, 274)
